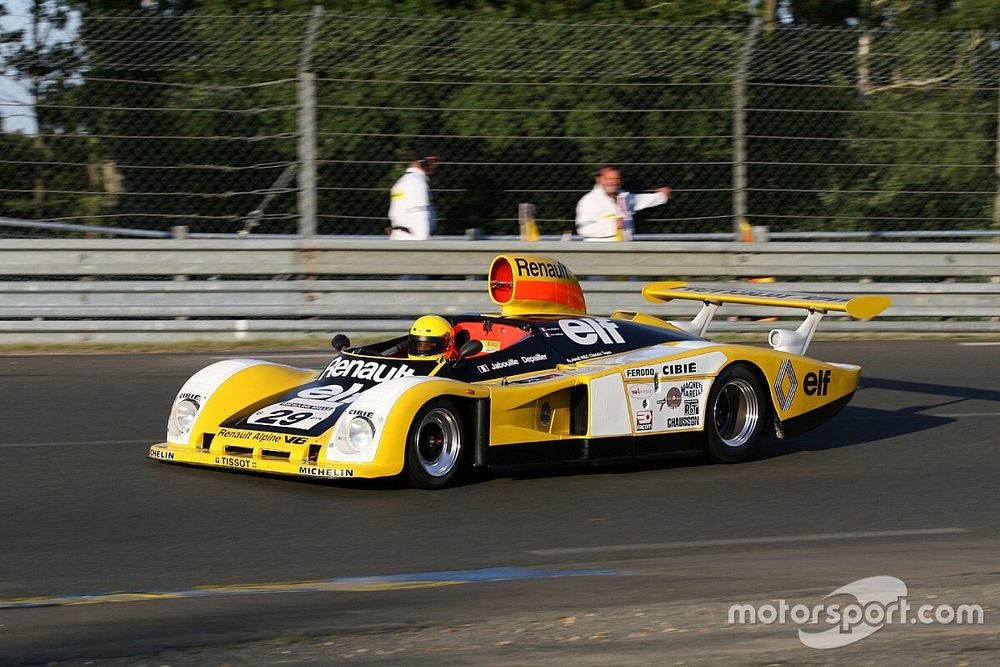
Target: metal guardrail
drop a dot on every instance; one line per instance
(183, 231)
(136, 291)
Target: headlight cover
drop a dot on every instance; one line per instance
(181, 420)
(353, 440)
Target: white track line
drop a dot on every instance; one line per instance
(982, 344)
(777, 539)
(73, 443)
(961, 414)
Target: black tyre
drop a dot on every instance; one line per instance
(736, 414)
(436, 446)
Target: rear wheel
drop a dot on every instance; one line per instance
(435, 448)
(736, 415)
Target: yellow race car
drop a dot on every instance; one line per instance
(540, 383)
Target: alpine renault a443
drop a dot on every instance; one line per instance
(540, 383)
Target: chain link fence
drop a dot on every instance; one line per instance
(289, 124)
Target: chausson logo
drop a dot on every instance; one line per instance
(366, 370)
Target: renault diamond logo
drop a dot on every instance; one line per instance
(785, 384)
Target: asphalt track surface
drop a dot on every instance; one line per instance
(903, 483)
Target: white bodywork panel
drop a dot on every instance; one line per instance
(609, 413)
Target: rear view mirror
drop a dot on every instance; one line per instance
(470, 348)
(339, 342)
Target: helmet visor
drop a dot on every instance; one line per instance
(426, 346)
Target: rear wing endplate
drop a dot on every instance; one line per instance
(784, 340)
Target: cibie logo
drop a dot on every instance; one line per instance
(877, 602)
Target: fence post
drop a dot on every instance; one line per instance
(306, 93)
(996, 164)
(739, 127)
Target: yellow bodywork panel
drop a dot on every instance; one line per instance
(643, 318)
(516, 411)
(797, 384)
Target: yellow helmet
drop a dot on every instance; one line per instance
(430, 336)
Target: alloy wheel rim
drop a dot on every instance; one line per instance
(438, 442)
(736, 413)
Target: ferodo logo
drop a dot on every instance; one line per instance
(816, 384)
(366, 370)
(542, 269)
(588, 331)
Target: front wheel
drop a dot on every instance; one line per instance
(435, 447)
(736, 415)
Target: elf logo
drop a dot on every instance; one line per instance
(588, 331)
(816, 384)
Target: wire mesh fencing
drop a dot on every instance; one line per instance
(289, 124)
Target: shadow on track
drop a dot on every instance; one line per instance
(959, 393)
(860, 426)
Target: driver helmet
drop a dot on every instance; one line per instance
(430, 336)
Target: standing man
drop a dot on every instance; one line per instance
(605, 213)
(410, 210)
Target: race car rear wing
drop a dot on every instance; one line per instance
(784, 340)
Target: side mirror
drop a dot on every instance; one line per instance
(468, 349)
(339, 342)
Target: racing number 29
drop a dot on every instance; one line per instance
(284, 417)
